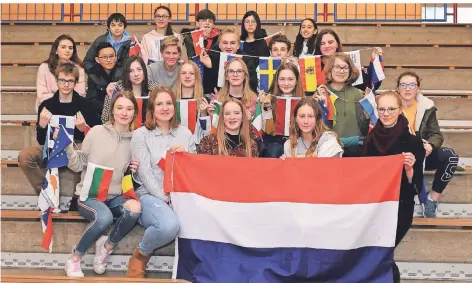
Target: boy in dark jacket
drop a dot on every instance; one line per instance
(205, 20)
(117, 36)
(106, 72)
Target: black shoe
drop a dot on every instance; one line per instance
(73, 203)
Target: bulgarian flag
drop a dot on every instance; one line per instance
(216, 116)
(96, 183)
(284, 112)
(127, 186)
(187, 113)
(311, 73)
(257, 119)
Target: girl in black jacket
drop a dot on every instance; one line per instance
(252, 36)
(391, 136)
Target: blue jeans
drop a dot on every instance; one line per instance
(160, 222)
(101, 214)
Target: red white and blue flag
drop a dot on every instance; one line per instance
(377, 72)
(280, 227)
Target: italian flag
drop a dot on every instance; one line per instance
(257, 119)
(96, 182)
(216, 116)
(187, 113)
(284, 112)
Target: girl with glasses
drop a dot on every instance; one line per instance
(252, 36)
(422, 121)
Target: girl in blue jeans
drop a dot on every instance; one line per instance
(161, 133)
(109, 146)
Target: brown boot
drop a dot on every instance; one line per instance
(137, 264)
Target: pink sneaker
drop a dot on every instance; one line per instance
(100, 260)
(73, 268)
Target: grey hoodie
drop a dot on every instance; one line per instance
(102, 146)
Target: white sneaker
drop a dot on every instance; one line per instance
(100, 259)
(73, 268)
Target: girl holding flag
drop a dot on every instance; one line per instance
(391, 136)
(100, 188)
(309, 136)
(134, 79)
(285, 84)
(233, 136)
(161, 133)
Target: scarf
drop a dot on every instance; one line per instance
(384, 138)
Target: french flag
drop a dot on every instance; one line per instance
(326, 226)
(378, 70)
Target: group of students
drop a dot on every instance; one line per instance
(116, 81)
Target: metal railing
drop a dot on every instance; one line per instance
(30, 12)
(390, 12)
(133, 12)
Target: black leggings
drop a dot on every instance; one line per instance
(445, 161)
(406, 208)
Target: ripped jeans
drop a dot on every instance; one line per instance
(101, 214)
(160, 222)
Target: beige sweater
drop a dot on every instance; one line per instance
(103, 146)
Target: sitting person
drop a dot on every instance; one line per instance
(161, 133)
(63, 50)
(309, 136)
(116, 135)
(67, 102)
(164, 73)
(279, 46)
(391, 136)
(233, 136)
(106, 72)
(421, 114)
(135, 79)
(117, 36)
(306, 38)
(205, 20)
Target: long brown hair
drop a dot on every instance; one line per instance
(248, 95)
(150, 123)
(275, 88)
(320, 127)
(197, 88)
(244, 132)
(126, 94)
(53, 59)
(353, 72)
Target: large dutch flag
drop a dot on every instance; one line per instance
(299, 225)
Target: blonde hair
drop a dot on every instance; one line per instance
(150, 123)
(353, 72)
(248, 95)
(227, 30)
(393, 93)
(244, 132)
(170, 41)
(197, 88)
(320, 127)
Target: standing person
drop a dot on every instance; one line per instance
(205, 20)
(228, 42)
(351, 121)
(252, 36)
(135, 79)
(391, 136)
(151, 42)
(63, 50)
(116, 135)
(105, 73)
(328, 44)
(67, 102)
(161, 133)
(306, 38)
(421, 114)
(236, 86)
(309, 136)
(286, 83)
(232, 137)
(119, 39)
(189, 86)
(164, 73)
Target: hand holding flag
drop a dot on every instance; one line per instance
(134, 47)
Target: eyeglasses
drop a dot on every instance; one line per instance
(160, 17)
(389, 110)
(65, 82)
(410, 85)
(108, 58)
(340, 69)
(205, 21)
(250, 22)
(235, 72)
